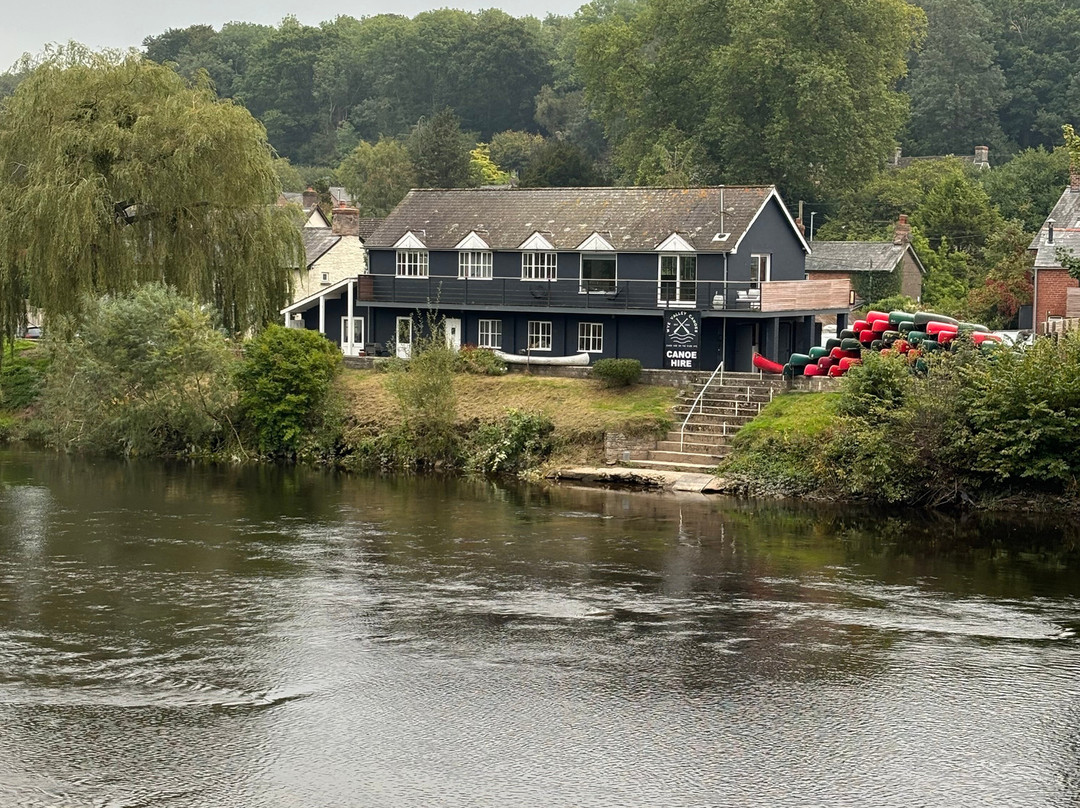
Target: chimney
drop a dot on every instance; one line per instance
(1049, 231)
(800, 225)
(902, 231)
(346, 221)
(896, 156)
(311, 198)
(1074, 179)
(982, 157)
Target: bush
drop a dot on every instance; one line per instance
(520, 441)
(146, 373)
(22, 377)
(285, 384)
(479, 361)
(617, 372)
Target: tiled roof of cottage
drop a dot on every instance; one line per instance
(856, 256)
(317, 241)
(630, 219)
(368, 226)
(1066, 216)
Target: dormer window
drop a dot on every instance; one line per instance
(474, 264)
(598, 265)
(412, 257)
(539, 266)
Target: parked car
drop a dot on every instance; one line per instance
(32, 332)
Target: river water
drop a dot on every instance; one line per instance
(191, 636)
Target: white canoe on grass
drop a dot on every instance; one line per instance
(521, 359)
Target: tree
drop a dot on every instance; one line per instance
(440, 151)
(377, 177)
(559, 165)
(1027, 186)
(956, 86)
(115, 171)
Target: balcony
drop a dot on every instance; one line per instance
(624, 295)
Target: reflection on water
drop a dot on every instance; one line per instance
(187, 636)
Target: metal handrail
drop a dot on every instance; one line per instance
(682, 432)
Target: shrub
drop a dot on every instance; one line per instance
(617, 372)
(21, 378)
(145, 373)
(520, 441)
(479, 361)
(285, 383)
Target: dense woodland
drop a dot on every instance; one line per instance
(811, 95)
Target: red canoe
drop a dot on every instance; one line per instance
(873, 316)
(767, 365)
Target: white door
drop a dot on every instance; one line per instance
(358, 336)
(453, 333)
(404, 337)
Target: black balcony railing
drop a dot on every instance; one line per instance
(620, 295)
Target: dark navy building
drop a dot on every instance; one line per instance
(674, 277)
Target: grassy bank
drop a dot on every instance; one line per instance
(580, 409)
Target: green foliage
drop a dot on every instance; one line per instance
(22, 376)
(892, 303)
(875, 285)
(520, 441)
(1008, 285)
(439, 151)
(423, 388)
(285, 383)
(378, 176)
(480, 361)
(513, 150)
(557, 164)
(871, 390)
(617, 372)
(1028, 185)
(145, 373)
(115, 172)
(483, 170)
(955, 84)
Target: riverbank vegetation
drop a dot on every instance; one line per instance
(973, 429)
(153, 374)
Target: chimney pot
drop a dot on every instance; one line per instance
(902, 231)
(982, 156)
(1074, 179)
(1049, 231)
(311, 198)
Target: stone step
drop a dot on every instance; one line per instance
(704, 459)
(716, 410)
(673, 444)
(713, 427)
(663, 465)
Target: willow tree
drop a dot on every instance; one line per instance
(115, 171)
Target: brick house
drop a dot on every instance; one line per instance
(1057, 295)
(860, 262)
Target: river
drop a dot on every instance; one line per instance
(181, 635)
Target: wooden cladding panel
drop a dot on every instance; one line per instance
(832, 293)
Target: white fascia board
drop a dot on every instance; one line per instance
(595, 243)
(536, 243)
(472, 242)
(675, 243)
(306, 303)
(409, 241)
(773, 195)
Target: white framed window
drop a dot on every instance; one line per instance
(590, 337)
(760, 269)
(490, 334)
(598, 273)
(474, 264)
(678, 280)
(539, 334)
(539, 266)
(412, 263)
(324, 277)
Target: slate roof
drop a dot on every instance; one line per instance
(1066, 216)
(369, 225)
(317, 241)
(630, 219)
(857, 256)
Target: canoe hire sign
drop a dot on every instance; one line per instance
(682, 340)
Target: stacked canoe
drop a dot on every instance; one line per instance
(912, 335)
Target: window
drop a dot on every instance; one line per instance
(678, 279)
(597, 273)
(590, 337)
(474, 264)
(412, 263)
(538, 266)
(760, 266)
(325, 277)
(490, 334)
(539, 335)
